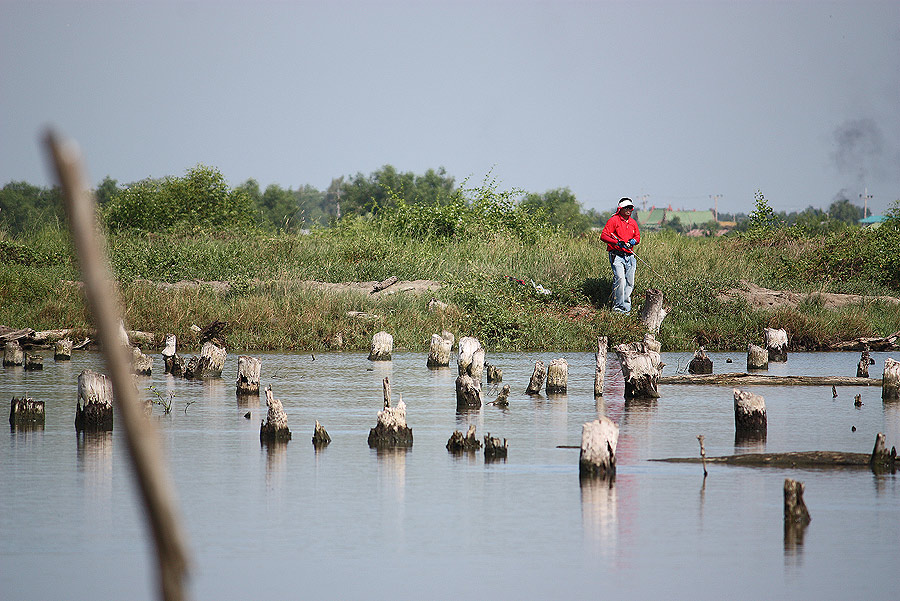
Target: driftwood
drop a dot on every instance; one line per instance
(888, 343)
(700, 363)
(385, 284)
(459, 443)
(537, 378)
(757, 357)
(733, 379)
(890, 390)
(439, 351)
(320, 438)
(776, 344)
(600, 371)
(275, 427)
(26, 413)
(247, 382)
(382, 347)
(599, 439)
(391, 430)
(557, 376)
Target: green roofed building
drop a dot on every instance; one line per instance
(655, 218)
(652, 219)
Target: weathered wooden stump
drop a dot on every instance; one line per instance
(320, 438)
(33, 362)
(640, 371)
(651, 344)
(247, 382)
(446, 335)
(776, 344)
(795, 511)
(391, 430)
(13, 354)
(176, 366)
(890, 380)
(537, 378)
(459, 443)
(654, 311)
(208, 365)
(494, 373)
(598, 448)
(700, 363)
(439, 353)
(382, 347)
(26, 413)
(862, 368)
(94, 412)
(557, 376)
(502, 399)
(882, 461)
(275, 427)
(169, 355)
(62, 349)
(600, 372)
(757, 357)
(468, 393)
(471, 367)
(749, 413)
(141, 364)
(494, 449)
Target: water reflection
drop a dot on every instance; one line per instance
(749, 442)
(95, 460)
(891, 423)
(599, 513)
(276, 459)
(793, 543)
(392, 471)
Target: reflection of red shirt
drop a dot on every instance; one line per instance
(625, 230)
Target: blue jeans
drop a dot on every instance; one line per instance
(623, 281)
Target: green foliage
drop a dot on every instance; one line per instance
(199, 200)
(560, 208)
(361, 195)
(25, 208)
(763, 218)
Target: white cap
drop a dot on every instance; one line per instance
(625, 202)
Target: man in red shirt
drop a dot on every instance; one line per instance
(621, 235)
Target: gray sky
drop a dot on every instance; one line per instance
(674, 100)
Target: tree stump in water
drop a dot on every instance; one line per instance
(557, 376)
(13, 354)
(776, 344)
(208, 365)
(459, 443)
(653, 312)
(175, 365)
(795, 511)
(26, 413)
(494, 449)
(33, 362)
(537, 378)
(600, 372)
(890, 381)
(391, 430)
(700, 363)
(881, 460)
(168, 355)
(471, 367)
(439, 352)
(62, 349)
(382, 347)
(494, 373)
(249, 369)
(640, 371)
(598, 448)
(94, 412)
(275, 427)
(862, 368)
(141, 364)
(320, 438)
(468, 393)
(757, 357)
(502, 399)
(749, 413)
(448, 336)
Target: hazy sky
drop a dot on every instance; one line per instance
(674, 100)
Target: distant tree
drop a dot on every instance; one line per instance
(25, 208)
(843, 210)
(674, 224)
(560, 208)
(363, 195)
(107, 189)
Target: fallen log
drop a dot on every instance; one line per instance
(888, 343)
(796, 459)
(733, 379)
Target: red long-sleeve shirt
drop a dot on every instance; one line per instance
(617, 229)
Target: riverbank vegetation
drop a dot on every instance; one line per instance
(485, 245)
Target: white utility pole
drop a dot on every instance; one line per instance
(715, 198)
(865, 198)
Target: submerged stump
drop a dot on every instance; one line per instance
(168, 355)
(27, 413)
(33, 362)
(94, 411)
(175, 365)
(391, 430)
(62, 349)
(468, 393)
(557, 376)
(537, 378)
(471, 367)
(494, 448)
(757, 357)
(249, 369)
(502, 399)
(881, 460)
(141, 364)
(640, 371)
(208, 365)
(494, 373)
(776, 344)
(275, 427)
(598, 448)
(795, 511)
(382, 347)
(600, 371)
(460, 444)
(13, 355)
(862, 368)
(749, 413)
(439, 352)
(320, 438)
(700, 363)
(890, 381)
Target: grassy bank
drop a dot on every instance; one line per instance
(266, 309)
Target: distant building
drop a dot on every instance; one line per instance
(656, 218)
(872, 221)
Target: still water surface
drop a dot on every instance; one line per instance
(287, 522)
